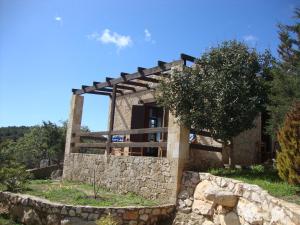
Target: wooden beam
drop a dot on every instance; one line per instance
(186, 57)
(205, 148)
(100, 93)
(161, 63)
(123, 75)
(123, 144)
(137, 84)
(146, 72)
(126, 88)
(91, 145)
(111, 117)
(110, 90)
(150, 144)
(141, 70)
(108, 79)
(148, 79)
(123, 132)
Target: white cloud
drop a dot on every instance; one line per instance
(148, 36)
(250, 38)
(109, 37)
(58, 18)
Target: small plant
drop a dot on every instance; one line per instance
(258, 169)
(107, 220)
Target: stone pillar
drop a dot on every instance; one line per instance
(177, 150)
(74, 123)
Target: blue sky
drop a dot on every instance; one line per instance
(49, 47)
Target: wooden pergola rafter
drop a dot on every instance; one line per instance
(126, 81)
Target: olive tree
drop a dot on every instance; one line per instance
(222, 93)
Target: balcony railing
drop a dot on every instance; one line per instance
(100, 142)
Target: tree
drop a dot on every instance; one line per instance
(41, 142)
(13, 175)
(288, 156)
(223, 93)
(285, 86)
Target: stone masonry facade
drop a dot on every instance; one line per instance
(36, 211)
(150, 177)
(212, 200)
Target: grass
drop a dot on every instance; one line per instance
(5, 220)
(266, 179)
(82, 194)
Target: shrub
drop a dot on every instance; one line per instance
(288, 157)
(107, 220)
(13, 177)
(257, 169)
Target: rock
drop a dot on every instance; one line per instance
(208, 222)
(230, 218)
(144, 217)
(52, 219)
(186, 210)
(188, 202)
(183, 194)
(201, 188)
(251, 212)
(131, 215)
(31, 218)
(203, 207)
(226, 198)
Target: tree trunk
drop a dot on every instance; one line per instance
(231, 161)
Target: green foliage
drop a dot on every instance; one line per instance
(12, 132)
(107, 220)
(258, 169)
(222, 93)
(13, 176)
(41, 142)
(285, 86)
(6, 220)
(268, 180)
(288, 157)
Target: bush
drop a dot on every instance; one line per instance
(288, 157)
(107, 220)
(13, 177)
(258, 169)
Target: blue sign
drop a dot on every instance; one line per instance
(117, 138)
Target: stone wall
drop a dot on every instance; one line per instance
(223, 201)
(36, 211)
(246, 150)
(152, 178)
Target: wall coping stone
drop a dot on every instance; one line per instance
(44, 207)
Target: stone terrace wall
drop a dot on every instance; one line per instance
(35, 211)
(226, 201)
(152, 178)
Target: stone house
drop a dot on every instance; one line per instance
(146, 150)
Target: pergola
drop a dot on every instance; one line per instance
(143, 79)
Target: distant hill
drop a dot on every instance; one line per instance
(13, 132)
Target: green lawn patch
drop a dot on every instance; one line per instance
(266, 179)
(5, 220)
(82, 194)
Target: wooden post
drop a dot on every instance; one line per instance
(111, 118)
